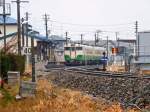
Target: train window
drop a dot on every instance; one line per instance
(67, 48)
(78, 48)
(73, 48)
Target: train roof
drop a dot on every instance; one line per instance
(86, 46)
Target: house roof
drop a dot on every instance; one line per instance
(9, 21)
(35, 36)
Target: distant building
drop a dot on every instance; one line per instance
(143, 47)
(143, 51)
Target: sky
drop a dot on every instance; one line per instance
(88, 16)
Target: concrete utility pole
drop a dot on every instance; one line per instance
(117, 39)
(27, 18)
(22, 20)
(81, 38)
(4, 14)
(107, 46)
(33, 60)
(4, 24)
(6, 11)
(46, 19)
(137, 38)
(19, 24)
(66, 38)
(96, 39)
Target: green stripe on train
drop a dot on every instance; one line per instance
(67, 58)
(82, 58)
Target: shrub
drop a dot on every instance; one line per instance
(11, 62)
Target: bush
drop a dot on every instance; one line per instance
(11, 62)
(17, 62)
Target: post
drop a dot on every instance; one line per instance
(117, 39)
(27, 16)
(95, 39)
(81, 38)
(118, 43)
(4, 24)
(66, 38)
(46, 18)
(33, 60)
(137, 38)
(19, 27)
(107, 46)
(46, 27)
(22, 20)
(2, 85)
(125, 59)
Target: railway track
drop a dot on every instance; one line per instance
(92, 70)
(122, 90)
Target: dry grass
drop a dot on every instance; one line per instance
(50, 98)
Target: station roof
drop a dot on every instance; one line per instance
(56, 38)
(9, 21)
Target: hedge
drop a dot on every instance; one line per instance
(11, 62)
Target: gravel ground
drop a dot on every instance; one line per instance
(121, 90)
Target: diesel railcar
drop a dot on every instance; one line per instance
(82, 54)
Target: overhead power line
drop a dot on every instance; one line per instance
(88, 25)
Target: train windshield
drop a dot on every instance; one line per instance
(73, 48)
(67, 48)
(78, 48)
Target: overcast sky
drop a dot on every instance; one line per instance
(102, 15)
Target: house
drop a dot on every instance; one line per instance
(11, 25)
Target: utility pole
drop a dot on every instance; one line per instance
(27, 18)
(4, 24)
(117, 39)
(66, 38)
(19, 24)
(46, 19)
(95, 39)
(137, 38)
(4, 14)
(22, 20)
(107, 46)
(33, 60)
(81, 38)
